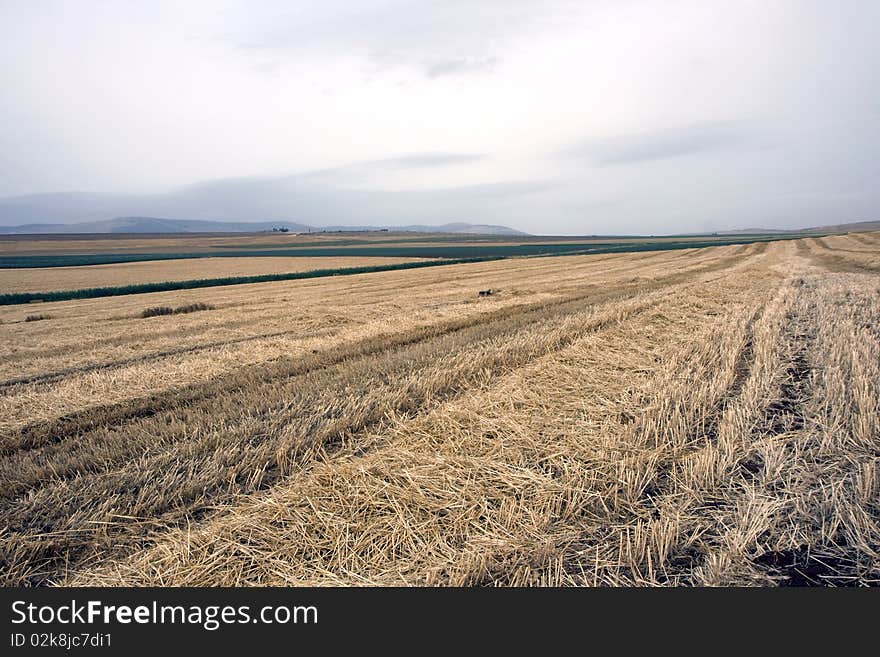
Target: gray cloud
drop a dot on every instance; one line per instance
(435, 37)
(422, 160)
(701, 115)
(647, 147)
(297, 198)
(462, 65)
(365, 172)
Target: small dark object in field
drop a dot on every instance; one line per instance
(193, 307)
(166, 310)
(155, 312)
(485, 293)
(36, 318)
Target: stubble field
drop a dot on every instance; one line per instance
(691, 417)
(52, 279)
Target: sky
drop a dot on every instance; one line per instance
(551, 117)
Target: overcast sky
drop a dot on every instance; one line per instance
(551, 117)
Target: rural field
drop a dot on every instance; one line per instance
(51, 279)
(684, 417)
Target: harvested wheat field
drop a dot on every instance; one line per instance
(157, 271)
(694, 417)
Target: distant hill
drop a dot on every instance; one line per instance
(858, 226)
(297, 202)
(470, 229)
(162, 225)
(154, 225)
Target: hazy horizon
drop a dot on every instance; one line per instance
(548, 117)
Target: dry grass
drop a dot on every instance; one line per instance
(93, 362)
(854, 252)
(687, 418)
(158, 271)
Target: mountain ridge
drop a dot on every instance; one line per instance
(853, 226)
(169, 225)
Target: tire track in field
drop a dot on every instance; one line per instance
(786, 427)
(658, 491)
(779, 413)
(707, 433)
(746, 512)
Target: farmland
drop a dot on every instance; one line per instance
(34, 269)
(104, 251)
(54, 279)
(646, 413)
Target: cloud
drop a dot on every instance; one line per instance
(460, 66)
(297, 198)
(422, 160)
(646, 147)
(412, 95)
(372, 171)
(503, 190)
(270, 68)
(435, 38)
